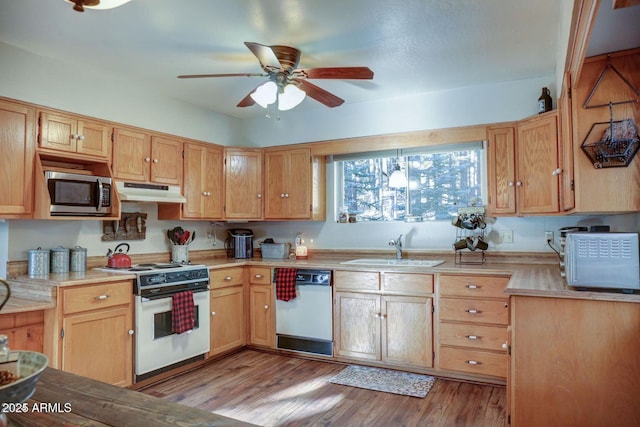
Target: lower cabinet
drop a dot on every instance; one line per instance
(388, 320)
(24, 330)
(227, 310)
(473, 316)
(261, 308)
(95, 331)
(574, 362)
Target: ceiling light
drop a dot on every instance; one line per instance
(79, 5)
(398, 179)
(265, 94)
(290, 97)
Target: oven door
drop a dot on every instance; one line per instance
(156, 346)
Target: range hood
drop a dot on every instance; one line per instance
(142, 192)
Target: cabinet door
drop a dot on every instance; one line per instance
(98, 345)
(166, 160)
(275, 177)
(227, 319)
(501, 173)
(357, 325)
(131, 155)
(261, 316)
(58, 132)
(94, 139)
(213, 201)
(243, 184)
(17, 148)
(299, 184)
(537, 153)
(407, 336)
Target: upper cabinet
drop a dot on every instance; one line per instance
(74, 135)
(203, 177)
(17, 147)
(524, 166)
(139, 156)
(291, 180)
(243, 183)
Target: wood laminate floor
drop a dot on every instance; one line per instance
(273, 390)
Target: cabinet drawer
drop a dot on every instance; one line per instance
(473, 286)
(474, 361)
(96, 296)
(356, 280)
(480, 311)
(471, 335)
(226, 277)
(260, 275)
(408, 283)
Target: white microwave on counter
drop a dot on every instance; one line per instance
(75, 194)
(603, 260)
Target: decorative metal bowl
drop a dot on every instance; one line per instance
(27, 366)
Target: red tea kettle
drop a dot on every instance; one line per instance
(118, 258)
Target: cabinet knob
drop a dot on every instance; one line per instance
(473, 311)
(258, 276)
(74, 136)
(504, 345)
(213, 313)
(556, 172)
(472, 362)
(228, 278)
(282, 195)
(81, 137)
(131, 332)
(102, 297)
(266, 307)
(518, 183)
(259, 196)
(147, 159)
(472, 286)
(510, 183)
(472, 337)
(155, 160)
(286, 195)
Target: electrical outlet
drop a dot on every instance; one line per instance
(548, 235)
(506, 236)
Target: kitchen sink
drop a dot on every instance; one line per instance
(395, 262)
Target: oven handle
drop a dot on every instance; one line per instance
(169, 295)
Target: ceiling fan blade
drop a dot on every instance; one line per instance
(247, 101)
(319, 94)
(265, 55)
(200, 76)
(361, 73)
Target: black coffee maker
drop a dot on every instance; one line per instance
(239, 244)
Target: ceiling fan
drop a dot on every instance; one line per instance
(287, 84)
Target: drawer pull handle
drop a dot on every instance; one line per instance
(473, 286)
(473, 311)
(258, 276)
(228, 278)
(472, 337)
(102, 297)
(472, 362)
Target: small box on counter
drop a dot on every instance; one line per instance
(275, 250)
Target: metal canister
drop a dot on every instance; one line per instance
(59, 260)
(38, 261)
(78, 259)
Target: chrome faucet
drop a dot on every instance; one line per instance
(398, 244)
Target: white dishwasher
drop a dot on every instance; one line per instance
(305, 323)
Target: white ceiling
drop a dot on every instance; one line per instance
(413, 46)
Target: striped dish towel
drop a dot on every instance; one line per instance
(183, 317)
(286, 283)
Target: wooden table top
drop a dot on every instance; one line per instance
(64, 399)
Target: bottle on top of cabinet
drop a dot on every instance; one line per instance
(544, 102)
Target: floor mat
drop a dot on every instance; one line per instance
(386, 380)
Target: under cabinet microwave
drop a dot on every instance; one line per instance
(74, 194)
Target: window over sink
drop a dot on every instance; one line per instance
(437, 180)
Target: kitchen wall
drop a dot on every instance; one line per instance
(48, 82)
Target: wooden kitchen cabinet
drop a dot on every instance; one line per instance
(24, 330)
(17, 148)
(523, 166)
(473, 316)
(243, 183)
(291, 179)
(203, 189)
(262, 329)
(227, 310)
(74, 135)
(574, 362)
(94, 329)
(139, 156)
(384, 317)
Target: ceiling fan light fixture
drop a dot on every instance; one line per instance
(398, 179)
(290, 97)
(80, 5)
(265, 94)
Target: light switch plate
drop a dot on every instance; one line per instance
(506, 236)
